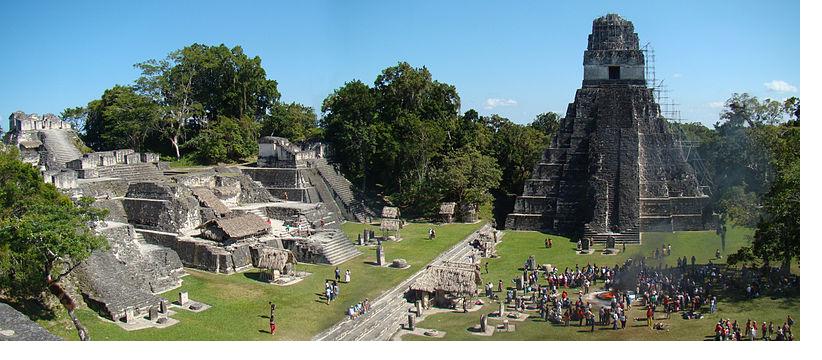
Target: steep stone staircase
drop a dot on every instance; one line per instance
(630, 237)
(337, 247)
(131, 172)
(344, 191)
(60, 145)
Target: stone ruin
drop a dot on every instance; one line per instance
(128, 275)
(293, 172)
(218, 219)
(53, 146)
(614, 168)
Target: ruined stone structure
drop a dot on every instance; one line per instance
(301, 173)
(53, 146)
(159, 220)
(613, 168)
(14, 326)
(129, 274)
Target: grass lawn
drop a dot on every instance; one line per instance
(518, 245)
(240, 302)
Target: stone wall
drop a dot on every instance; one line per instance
(128, 274)
(162, 206)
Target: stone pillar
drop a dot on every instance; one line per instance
(419, 307)
(411, 324)
(380, 256)
(153, 314)
(483, 324)
(501, 309)
(365, 235)
(129, 315)
(183, 298)
(164, 306)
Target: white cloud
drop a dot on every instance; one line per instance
(780, 86)
(491, 103)
(716, 104)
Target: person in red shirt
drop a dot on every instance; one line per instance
(649, 315)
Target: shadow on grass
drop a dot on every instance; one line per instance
(34, 309)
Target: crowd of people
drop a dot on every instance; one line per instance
(359, 309)
(726, 330)
(687, 289)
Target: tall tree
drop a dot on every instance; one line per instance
(548, 123)
(43, 234)
(170, 83)
(120, 117)
(293, 121)
(467, 176)
(225, 140)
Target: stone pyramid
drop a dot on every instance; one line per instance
(614, 168)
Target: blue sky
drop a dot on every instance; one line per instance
(517, 59)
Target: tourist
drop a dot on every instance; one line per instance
(693, 260)
(649, 316)
(336, 290)
(499, 286)
(486, 267)
(546, 243)
(271, 324)
(753, 330)
(337, 274)
(347, 276)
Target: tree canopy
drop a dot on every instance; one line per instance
(44, 235)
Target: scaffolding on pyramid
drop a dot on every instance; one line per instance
(669, 110)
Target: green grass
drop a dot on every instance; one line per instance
(240, 303)
(517, 246)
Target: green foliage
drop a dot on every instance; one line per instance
(225, 140)
(76, 116)
(777, 234)
(740, 206)
(121, 118)
(517, 148)
(395, 133)
(42, 232)
(292, 121)
(467, 175)
(547, 123)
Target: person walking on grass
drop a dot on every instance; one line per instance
(272, 325)
(337, 274)
(649, 315)
(347, 276)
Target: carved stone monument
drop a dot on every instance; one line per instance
(153, 314)
(129, 315)
(419, 307)
(380, 255)
(611, 243)
(411, 324)
(483, 324)
(183, 298)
